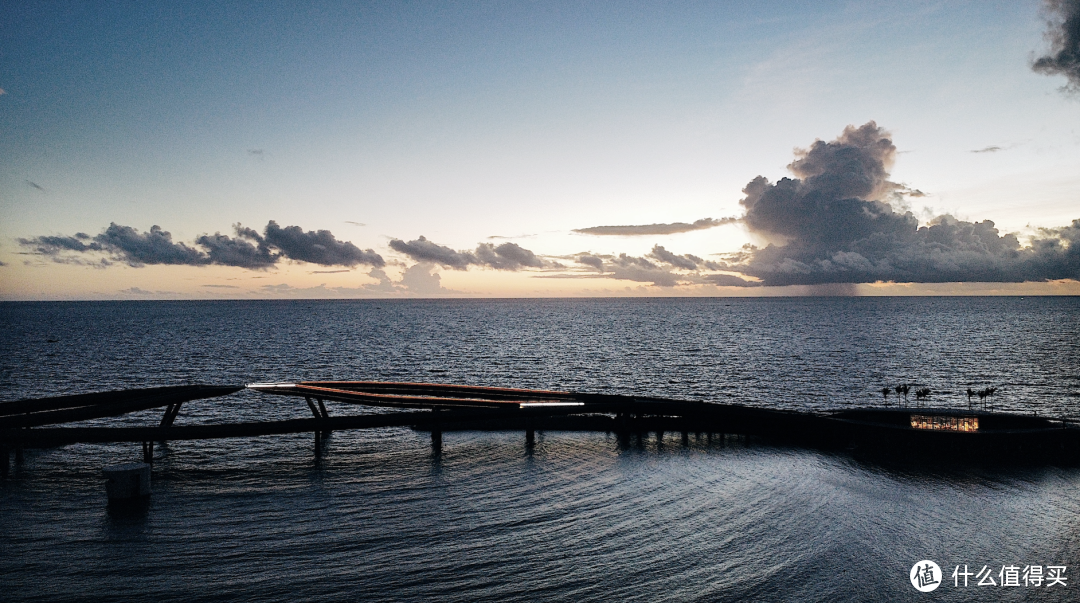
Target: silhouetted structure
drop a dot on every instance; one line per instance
(439, 408)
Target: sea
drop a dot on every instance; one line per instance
(579, 516)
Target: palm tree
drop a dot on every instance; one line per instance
(922, 393)
(885, 394)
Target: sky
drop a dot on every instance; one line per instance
(163, 150)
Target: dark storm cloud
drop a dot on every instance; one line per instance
(655, 229)
(506, 256)
(318, 247)
(838, 227)
(1063, 33)
(248, 249)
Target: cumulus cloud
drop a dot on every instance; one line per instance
(385, 284)
(318, 247)
(423, 279)
(654, 229)
(1063, 33)
(658, 267)
(838, 226)
(507, 256)
(686, 261)
(423, 250)
(247, 249)
(592, 261)
(154, 246)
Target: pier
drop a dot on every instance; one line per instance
(437, 408)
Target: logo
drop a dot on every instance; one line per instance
(925, 576)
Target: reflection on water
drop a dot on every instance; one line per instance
(574, 516)
(581, 517)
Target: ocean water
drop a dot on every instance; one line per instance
(579, 516)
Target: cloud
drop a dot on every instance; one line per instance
(222, 286)
(385, 285)
(318, 247)
(685, 261)
(138, 291)
(154, 246)
(592, 261)
(506, 256)
(248, 249)
(654, 229)
(838, 226)
(33, 184)
(423, 250)
(991, 149)
(630, 268)
(658, 267)
(422, 279)
(355, 223)
(258, 153)
(643, 272)
(729, 280)
(1063, 33)
(418, 280)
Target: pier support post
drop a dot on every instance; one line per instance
(148, 452)
(530, 438)
(325, 415)
(318, 444)
(4, 458)
(436, 433)
(685, 439)
(170, 414)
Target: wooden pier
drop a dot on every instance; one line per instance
(46, 423)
